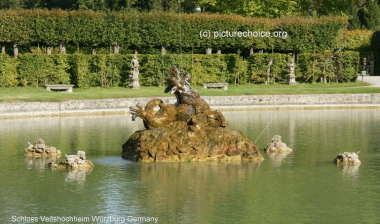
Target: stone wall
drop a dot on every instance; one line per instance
(22, 109)
(278, 100)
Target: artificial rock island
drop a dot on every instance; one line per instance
(186, 131)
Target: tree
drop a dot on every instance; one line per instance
(256, 8)
(12, 4)
(372, 15)
(159, 5)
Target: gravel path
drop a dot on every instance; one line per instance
(375, 80)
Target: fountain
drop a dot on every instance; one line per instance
(186, 131)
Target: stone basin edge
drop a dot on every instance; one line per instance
(223, 103)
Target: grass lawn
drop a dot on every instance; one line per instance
(29, 94)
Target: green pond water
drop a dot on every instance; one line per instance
(303, 186)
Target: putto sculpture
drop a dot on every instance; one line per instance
(188, 130)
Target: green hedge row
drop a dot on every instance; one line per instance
(8, 71)
(156, 29)
(114, 70)
(328, 67)
(38, 70)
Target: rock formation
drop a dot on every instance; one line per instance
(40, 149)
(186, 131)
(77, 161)
(347, 158)
(277, 145)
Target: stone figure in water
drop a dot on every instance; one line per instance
(77, 161)
(188, 130)
(40, 149)
(276, 145)
(349, 158)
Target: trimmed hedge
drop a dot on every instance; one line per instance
(156, 29)
(258, 66)
(328, 67)
(8, 71)
(114, 70)
(96, 70)
(39, 70)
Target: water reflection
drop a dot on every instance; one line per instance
(350, 170)
(277, 157)
(73, 176)
(183, 188)
(76, 176)
(40, 163)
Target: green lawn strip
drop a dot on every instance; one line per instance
(30, 94)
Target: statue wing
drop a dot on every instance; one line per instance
(135, 111)
(168, 89)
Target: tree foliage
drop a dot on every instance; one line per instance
(261, 8)
(372, 15)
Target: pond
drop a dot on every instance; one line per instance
(303, 186)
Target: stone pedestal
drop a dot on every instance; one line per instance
(134, 83)
(292, 79)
